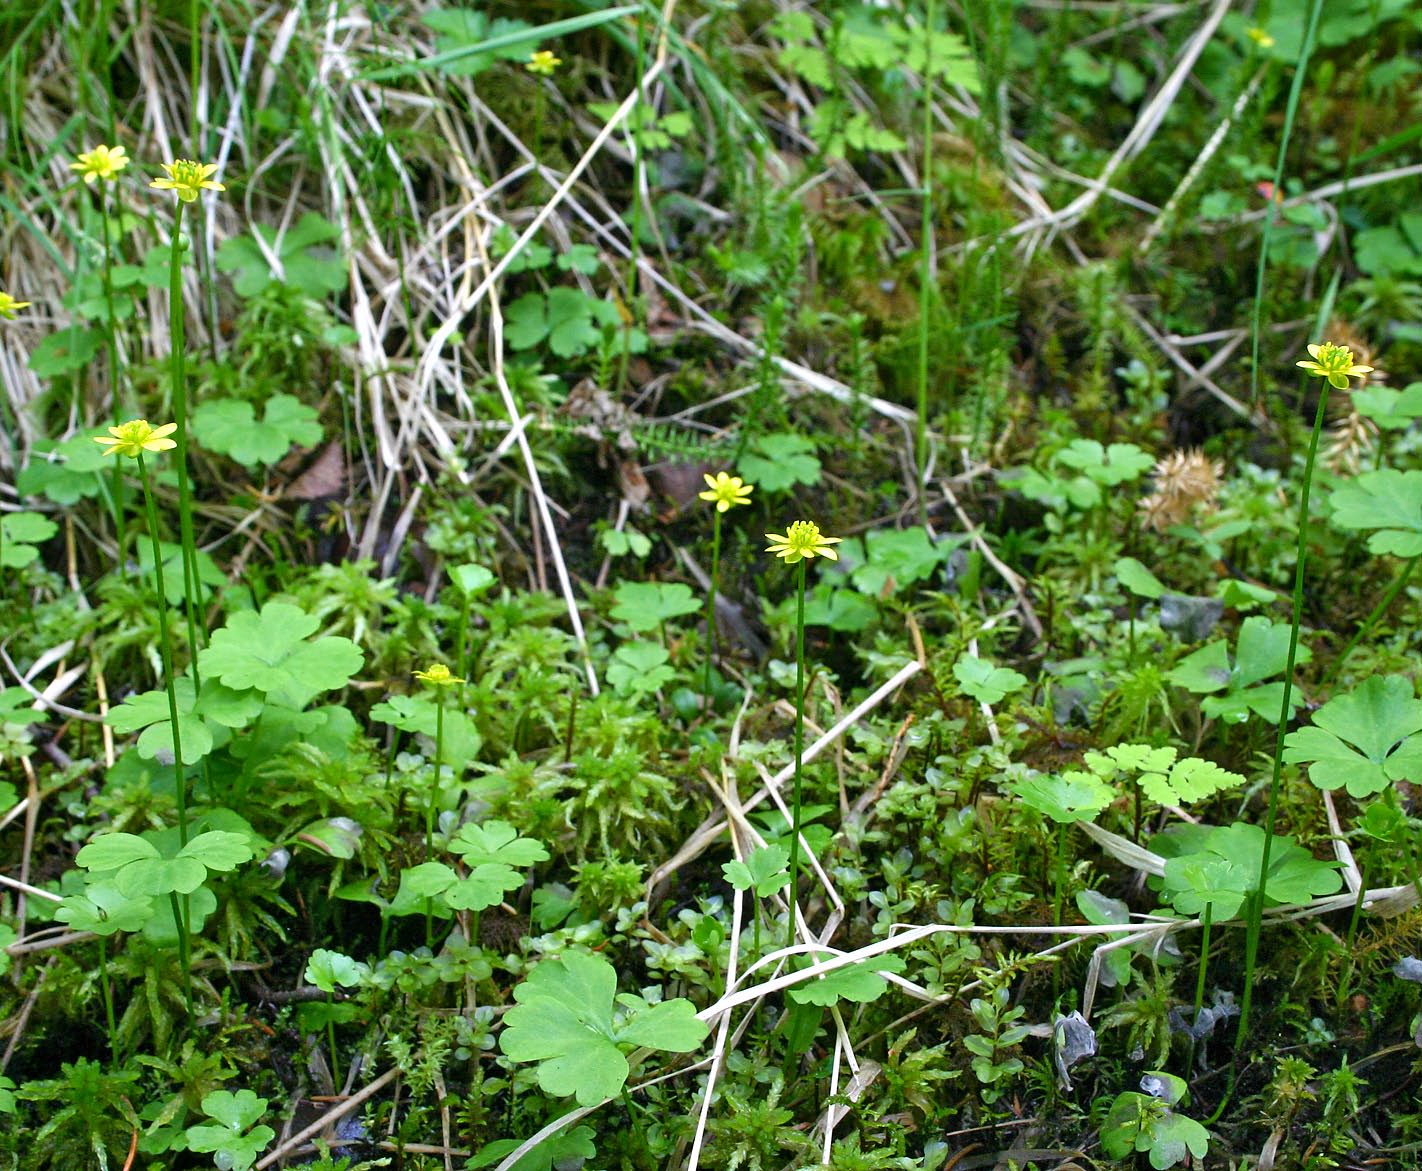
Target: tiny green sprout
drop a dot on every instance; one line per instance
(725, 491)
(1334, 363)
(544, 63)
(9, 306)
(188, 178)
(103, 162)
(137, 436)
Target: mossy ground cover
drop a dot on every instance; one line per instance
(735, 586)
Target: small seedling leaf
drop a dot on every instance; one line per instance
(764, 870)
(984, 682)
(860, 983)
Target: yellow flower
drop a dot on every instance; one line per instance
(188, 179)
(1259, 37)
(543, 63)
(1334, 363)
(726, 491)
(438, 675)
(8, 306)
(103, 162)
(137, 436)
(802, 540)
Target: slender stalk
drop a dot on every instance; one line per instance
(108, 994)
(799, 747)
(1295, 90)
(194, 71)
(180, 416)
(1256, 904)
(1345, 979)
(635, 227)
(165, 639)
(1378, 611)
(110, 324)
(331, 1041)
(711, 609)
(1200, 979)
(115, 375)
(180, 781)
(434, 801)
(1061, 873)
(925, 277)
(180, 921)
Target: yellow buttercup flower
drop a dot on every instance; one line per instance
(725, 491)
(1259, 37)
(137, 436)
(9, 306)
(103, 162)
(188, 179)
(802, 540)
(543, 63)
(438, 675)
(1334, 363)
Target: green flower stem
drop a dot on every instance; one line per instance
(115, 379)
(635, 217)
(1301, 73)
(331, 1040)
(434, 789)
(108, 994)
(1411, 844)
(165, 639)
(110, 323)
(1378, 611)
(799, 748)
(180, 921)
(1256, 904)
(180, 416)
(1061, 873)
(430, 812)
(711, 608)
(194, 71)
(180, 781)
(1346, 976)
(1205, 920)
(925, 277)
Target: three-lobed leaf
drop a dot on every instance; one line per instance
(987, 684)
(235, 1146)
(566, 1021)
(860, 983)
(1386, 502)
(645, 605)
(21, 534)
(1066, 797)
(764, 870)
(269, 651)
(497, 842)
(229, 427)
(1363, 740)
